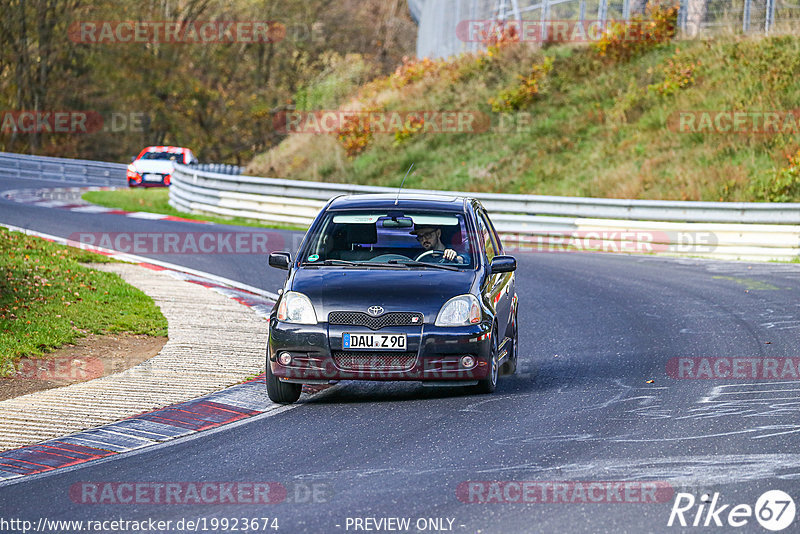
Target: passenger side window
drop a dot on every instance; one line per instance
(486, 239)
(498, 245)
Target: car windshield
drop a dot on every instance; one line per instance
(410, 239)
(163, 155)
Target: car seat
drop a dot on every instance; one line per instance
(359, 240)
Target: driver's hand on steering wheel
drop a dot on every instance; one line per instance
(450, 255)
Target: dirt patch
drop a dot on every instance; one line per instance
(89, 358)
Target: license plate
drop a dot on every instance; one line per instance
(374, 341)
(153, 177)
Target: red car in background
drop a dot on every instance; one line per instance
(154, 165)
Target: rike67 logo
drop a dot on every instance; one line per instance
(774, 510)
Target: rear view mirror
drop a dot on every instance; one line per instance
(398, 223)
(503, 264)
(280, 260)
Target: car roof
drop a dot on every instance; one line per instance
(172, 149)
(386, 201)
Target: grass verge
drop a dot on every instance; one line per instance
(48, 299)
(157, 201)
(579, 124)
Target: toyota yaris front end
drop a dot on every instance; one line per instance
(415, 288)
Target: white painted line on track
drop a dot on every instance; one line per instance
(146, 215)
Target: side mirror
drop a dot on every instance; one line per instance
(133, 158)
(280, 260)
(503, 264)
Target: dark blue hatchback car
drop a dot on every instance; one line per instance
(394, 288)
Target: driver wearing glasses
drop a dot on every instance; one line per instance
(430, 238)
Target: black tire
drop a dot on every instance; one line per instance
(488, 384)
(510, 366)
(281, 392)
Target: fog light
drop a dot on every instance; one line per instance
(285, 358)
(467, 362)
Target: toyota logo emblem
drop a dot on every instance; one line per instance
(375, 310)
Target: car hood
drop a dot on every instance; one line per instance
(159, 166)
(425, 290)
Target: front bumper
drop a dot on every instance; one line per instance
(138, 180)
(433, 354)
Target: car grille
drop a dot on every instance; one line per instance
(375, 323)
(381, 361)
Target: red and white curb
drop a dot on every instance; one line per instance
(182, 419)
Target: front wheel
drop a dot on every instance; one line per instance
(510, 367)
(488, 384)
(281, 392)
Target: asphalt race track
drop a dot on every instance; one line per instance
(593, 401)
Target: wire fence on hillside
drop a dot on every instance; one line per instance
(439, 19)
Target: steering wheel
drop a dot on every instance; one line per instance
(434, 252)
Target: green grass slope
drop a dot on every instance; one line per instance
(49, 298)
(586, 126)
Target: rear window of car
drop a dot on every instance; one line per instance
(360, 236)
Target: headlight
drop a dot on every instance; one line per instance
(131, 168)
(296, 308)
(462, 310)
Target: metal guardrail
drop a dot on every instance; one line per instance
(79, 171)
(222, 168)
(529, 222)
(75, 171)
(220, 187)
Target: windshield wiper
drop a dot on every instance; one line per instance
(412, 263)
(335, 262)
(377, 264)
(329, 262)
(345, 263)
